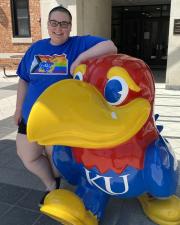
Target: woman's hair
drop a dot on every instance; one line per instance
(60, 9)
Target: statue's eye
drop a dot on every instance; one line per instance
(116, 90)
(78, 76)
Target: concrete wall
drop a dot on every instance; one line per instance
(173, 63)
(94, 17)
(46, 6)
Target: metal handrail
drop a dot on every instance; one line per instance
(8, 75)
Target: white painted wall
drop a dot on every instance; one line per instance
(173, 63)
(94, 17)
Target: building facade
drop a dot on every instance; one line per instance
(19, 27)
(147, 29)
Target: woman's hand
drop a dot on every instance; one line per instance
(76, 62)
(100, 49)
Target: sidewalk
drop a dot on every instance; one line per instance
(20, 191)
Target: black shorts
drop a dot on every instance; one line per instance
(22, 127)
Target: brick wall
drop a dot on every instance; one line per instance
(6, 44)
(34, 8)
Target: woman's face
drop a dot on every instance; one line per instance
(59, 33)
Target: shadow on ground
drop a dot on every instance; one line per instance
(128, 211)
(22, 202)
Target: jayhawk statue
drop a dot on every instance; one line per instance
(103, 121)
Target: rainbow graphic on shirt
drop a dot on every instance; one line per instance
(50, 65)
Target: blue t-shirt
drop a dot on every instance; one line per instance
(44, 64)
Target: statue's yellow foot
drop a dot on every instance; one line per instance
(67, 208)
(162, 212)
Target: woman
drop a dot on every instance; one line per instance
(46, 62)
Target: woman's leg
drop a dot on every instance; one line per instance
(48, 151)
(35, 161)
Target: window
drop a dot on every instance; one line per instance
(20, 18)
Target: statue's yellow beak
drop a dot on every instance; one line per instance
(75, 113)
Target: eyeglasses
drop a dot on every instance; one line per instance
(63, 24)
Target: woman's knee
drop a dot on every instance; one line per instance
(27, 151)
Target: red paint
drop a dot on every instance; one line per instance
(132, 152)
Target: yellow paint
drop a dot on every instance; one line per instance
(121, 72)
(80, 68)
(162, 211)
(67, 208)
(75, 113)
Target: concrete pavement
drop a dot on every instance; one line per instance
(20, 191)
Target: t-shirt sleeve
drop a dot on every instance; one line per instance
(22, 70)
(90, 41)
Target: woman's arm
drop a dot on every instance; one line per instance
(102, 48)
(21, 93)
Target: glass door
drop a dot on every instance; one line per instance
(142, 31)
(131, 37)
(155, 41)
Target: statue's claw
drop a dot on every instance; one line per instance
(162, 211)
(67, 208)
